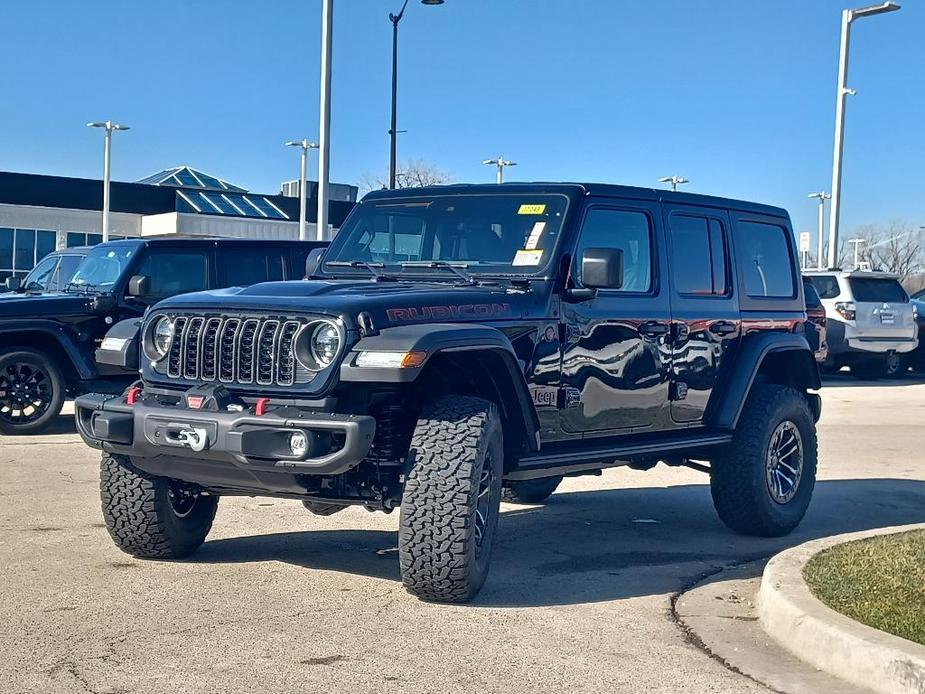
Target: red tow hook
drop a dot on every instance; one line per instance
(260, 408)
(132, 396)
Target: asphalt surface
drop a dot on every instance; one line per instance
(579, 596)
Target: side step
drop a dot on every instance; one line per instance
(588, 458)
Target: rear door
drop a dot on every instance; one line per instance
(882, 308)
(705, 320)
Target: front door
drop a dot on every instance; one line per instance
(704, 309)
(616, 351)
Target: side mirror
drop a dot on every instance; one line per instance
(602, 268)
(13, 284)
(313, 262)
(139, 286)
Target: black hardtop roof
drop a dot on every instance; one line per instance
(181, 240)
(584, 189)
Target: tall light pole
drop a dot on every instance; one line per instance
(324, 120)
(823, 196)
(108, 128)
(500, 162)
(675, 181)
(393, 128)
(847, 17)
(303, 188)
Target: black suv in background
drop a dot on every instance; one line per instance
(51, 274)
(460, 345)
(48, 339)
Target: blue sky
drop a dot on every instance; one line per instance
(736, 96)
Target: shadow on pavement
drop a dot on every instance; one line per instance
(843, 379)
(591, 546)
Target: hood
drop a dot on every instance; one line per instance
(15, 305)
(388, 303)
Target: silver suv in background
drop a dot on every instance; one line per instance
(870, 323)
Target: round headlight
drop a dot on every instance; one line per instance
(161, 336)
(324, 344)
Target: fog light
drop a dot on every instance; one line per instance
(298, 443)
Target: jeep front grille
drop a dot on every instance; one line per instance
(236, 350)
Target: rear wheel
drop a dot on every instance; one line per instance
(763, 483)
(452, 495)
(152, 517)
(31, 391)
(530, 491)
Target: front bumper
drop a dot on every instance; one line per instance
(335, 443)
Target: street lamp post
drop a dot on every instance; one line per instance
(108, 128)
(393, 128)
(324, 120)
(823, 196)
(674, 181)
(857, 244)
(847, 17)
(305, 145)
(500, 162)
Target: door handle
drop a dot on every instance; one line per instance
(654, 329)
(723, 327)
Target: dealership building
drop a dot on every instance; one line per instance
(39, 214)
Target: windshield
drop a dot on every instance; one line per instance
(101, 268)
(497, 234)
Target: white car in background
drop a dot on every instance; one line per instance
(870, 322)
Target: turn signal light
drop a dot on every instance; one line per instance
(390, 360)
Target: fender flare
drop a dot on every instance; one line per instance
(443, 338)
(82, 363)
(751, 355)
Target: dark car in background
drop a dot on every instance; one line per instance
(51, 274)
(48, 339)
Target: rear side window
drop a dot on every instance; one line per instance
(698, 256)
(242, 267)
(878, 290)
(826, 285)
(175, 272)
(766, 262)
(810, 294)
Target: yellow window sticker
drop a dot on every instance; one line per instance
(534, 239)
(532, 209)
(525, 257)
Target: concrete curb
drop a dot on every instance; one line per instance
(831, 641)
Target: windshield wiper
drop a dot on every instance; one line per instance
(372, 268)
(458, 269)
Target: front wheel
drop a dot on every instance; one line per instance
(152, 517)
(451, 500)
(764, 481)
(31, 391)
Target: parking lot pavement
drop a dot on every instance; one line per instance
(578, 598)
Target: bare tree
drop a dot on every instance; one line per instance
(412, 174)
(896, 248)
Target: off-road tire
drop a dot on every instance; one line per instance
(738, 481)
(140, 517)
(456, 438)
(55, 379)
(530, 491)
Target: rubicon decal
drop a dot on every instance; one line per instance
(417, 313)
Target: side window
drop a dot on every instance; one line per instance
(698, 256)
(242, 267)
(41, 277)
(629, 231)
(826, 285)
(175, 272)
(766, 262)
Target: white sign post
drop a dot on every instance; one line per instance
(804, 246)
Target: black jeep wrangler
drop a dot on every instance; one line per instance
(460, 346)
(49, 334)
